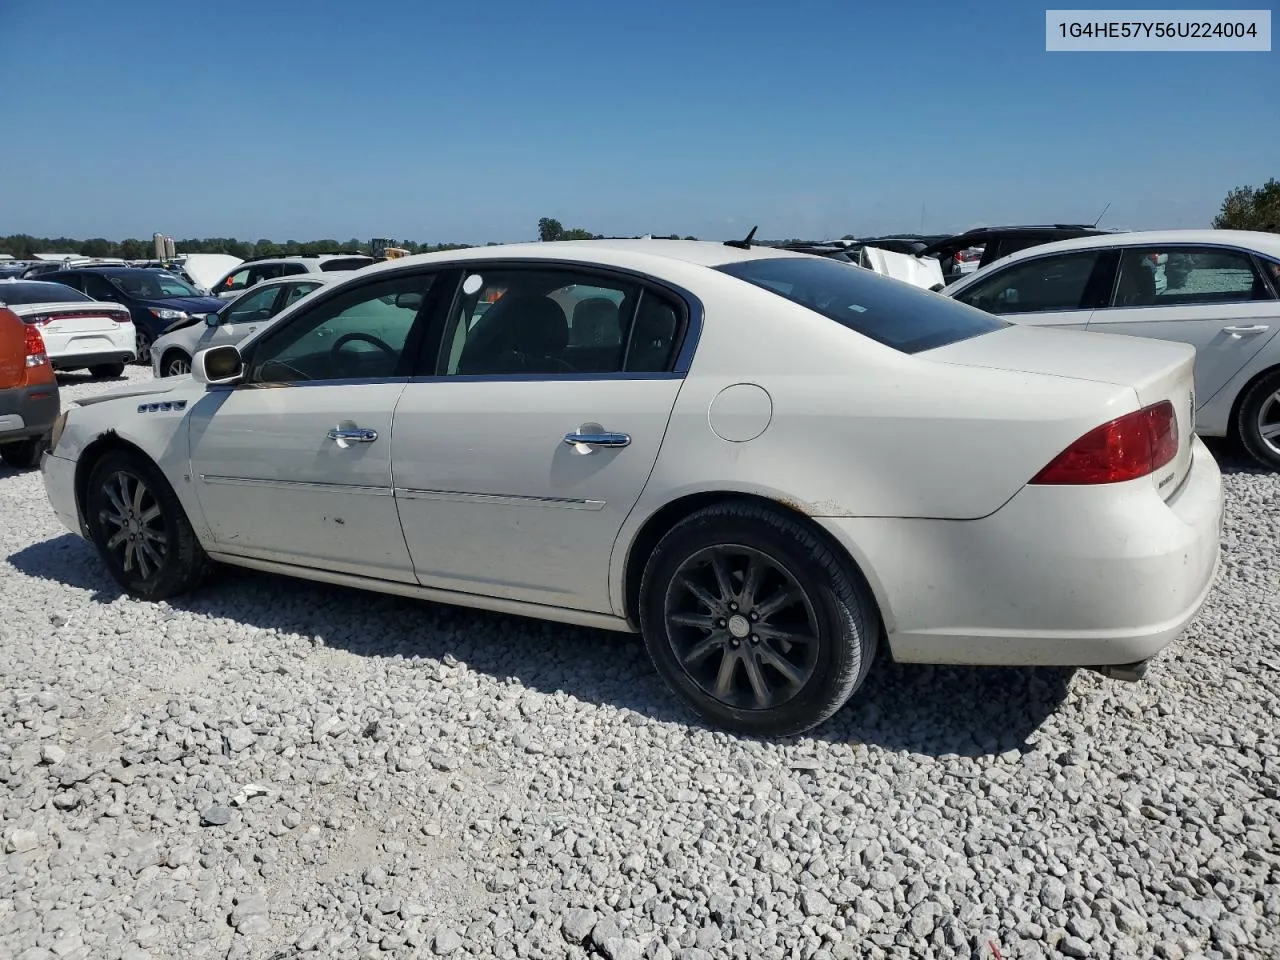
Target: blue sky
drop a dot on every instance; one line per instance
(467, 122)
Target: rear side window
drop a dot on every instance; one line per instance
(39, 293)
(345, 263)
(896, 314)
(1186, 277)
(1041, 285)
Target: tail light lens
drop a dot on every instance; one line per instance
(1127, 448)
(122, 317)
(35, 348)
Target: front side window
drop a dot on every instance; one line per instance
(98, 288)
(558, 321)
(236, 281)
(266, 271)
(1186, 276)
(1040, 285)
(151, 285)
(295, 292)
(896, 314)
(361, 333)
(251, 308)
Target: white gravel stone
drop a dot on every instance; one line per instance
(439, 779)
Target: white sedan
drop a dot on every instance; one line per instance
(772, 465)
(1218, 290)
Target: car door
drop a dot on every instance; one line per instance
(293, 464)
(1053, 290)
(1214, 298)
(517, 462)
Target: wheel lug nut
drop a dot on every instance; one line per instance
(721, 622)
(754, 616)
(733, 606)
(755, 638)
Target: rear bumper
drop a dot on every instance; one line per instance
(78, 361)
(1068, 576)
(28, 411)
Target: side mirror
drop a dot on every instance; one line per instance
(210, 319)
(217, 365)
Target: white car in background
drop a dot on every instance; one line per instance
(79, 332)
(769, 464)
(1218, 290)
(252, 272)
(171, 354)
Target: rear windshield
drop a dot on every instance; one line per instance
(39, 293)
(895, 313)
(346, 263)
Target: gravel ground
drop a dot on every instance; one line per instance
(270, 769)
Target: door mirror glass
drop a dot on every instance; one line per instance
(218, 365)
(210, 319)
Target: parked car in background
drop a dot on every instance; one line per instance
(237, 319)
(253, 271)
(1218, 290)
(891, 260)
(28, 392)
(967, 252)
(79, 332)
(154, 298)
(768, 463)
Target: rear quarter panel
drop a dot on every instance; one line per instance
(858, 429)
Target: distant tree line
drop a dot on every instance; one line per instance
(22, 246)
(550, 229)
(1246, 208)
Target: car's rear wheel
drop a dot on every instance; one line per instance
(143, 349)
(1258, 421)
(140, 529)
(175, 364)
(22, 454)
(754, 621)
(107, 370)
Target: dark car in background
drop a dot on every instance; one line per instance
(156, 299)
(972, 250)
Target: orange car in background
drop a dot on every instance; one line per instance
(29, 402)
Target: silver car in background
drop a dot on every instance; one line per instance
(171, 355)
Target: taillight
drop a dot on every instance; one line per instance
(1127, 448)
(35, 348)
(122, 317)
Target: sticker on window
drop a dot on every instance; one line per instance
(472, 284)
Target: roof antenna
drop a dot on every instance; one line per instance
(744, 244)
(1102, 214)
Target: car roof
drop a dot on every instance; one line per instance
(1265, 243)
(619, 252)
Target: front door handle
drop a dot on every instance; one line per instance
(1244, 331)
(345, 435)
(603, 439)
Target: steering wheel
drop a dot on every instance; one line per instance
(362, 337)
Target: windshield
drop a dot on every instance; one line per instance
(892, 312)
(39, 293)
(152, 285)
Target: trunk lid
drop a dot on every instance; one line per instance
(74, 317)
(1156, 370)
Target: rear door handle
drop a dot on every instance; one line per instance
(346, 435)
(1244, 331)
(597, 439)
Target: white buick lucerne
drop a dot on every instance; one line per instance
(771, 465)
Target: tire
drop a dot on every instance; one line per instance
(163, 558)
(692, 633)
(23, 454)
(1259, 413)
(143, 359)
(107, 370)
(175, 363)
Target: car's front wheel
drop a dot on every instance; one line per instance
(175, 364)
(1258, 421)
(754, 621)
(22, 454)
(107, 370)
(143, 346)
(140, 529)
